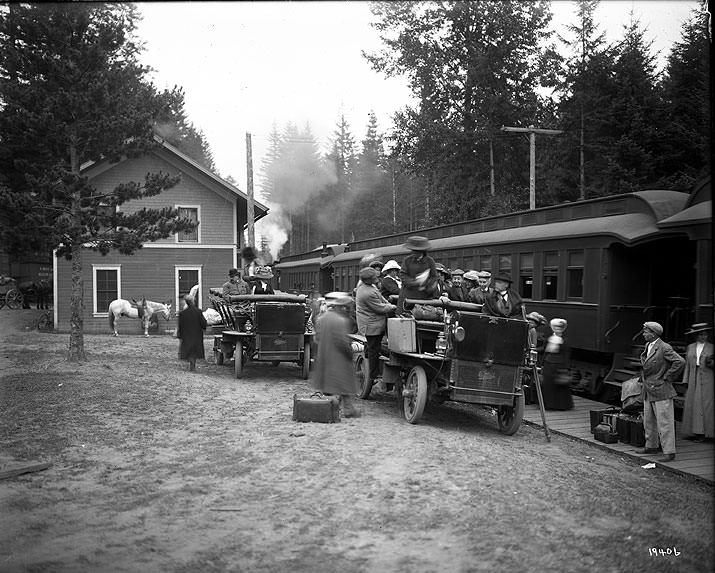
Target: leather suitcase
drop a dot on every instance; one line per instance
(637, 433)
(316, 408)
(623, 427)
(598, 415)
(603, 433)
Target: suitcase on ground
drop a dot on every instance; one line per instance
(623, 427)
(597, 416)
(604, 433)
(637, 433)
(316, 408)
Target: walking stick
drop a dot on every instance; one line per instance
(537, 382)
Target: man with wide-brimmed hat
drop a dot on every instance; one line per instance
(699, 412)
(661, 367)
(333, 373)
(503, 300)
(418, 273)
(234, 285)
(371, 310)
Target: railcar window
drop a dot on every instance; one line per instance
(189, 236)
(505, 264)
(526, 275)
(551, 276)
(485, 263)
(574, 274)
(106, 287)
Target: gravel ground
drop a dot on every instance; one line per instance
(154, 468)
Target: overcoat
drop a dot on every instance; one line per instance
(371, 310)
(493, 304)
(190, 332)
(389, 287)
(412, 266)
(660, 370)
(333, 372)
(700, 388)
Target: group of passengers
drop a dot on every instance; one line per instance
(391, 289)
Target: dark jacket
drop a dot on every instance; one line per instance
(413, 266)
(190, 332)
(258, 287)
(495, 306)
(389, 287)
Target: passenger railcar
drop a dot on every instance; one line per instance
(606, 265)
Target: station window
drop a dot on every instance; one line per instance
(186, 279)
(189, 212)
(574, 275)
(551, 275)
(107, 287)
(526, 275)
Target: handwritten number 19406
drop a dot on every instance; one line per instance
(662, 552)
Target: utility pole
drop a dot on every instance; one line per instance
(532, 131)
(249, 186)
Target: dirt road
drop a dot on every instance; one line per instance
(154, 468)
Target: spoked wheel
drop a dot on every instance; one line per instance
(13, 299)
(306, 362)
(218, 357)
(238, 360)
(414, 394)
(362, 378)
(510, 417)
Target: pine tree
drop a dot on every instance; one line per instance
(685, 141)
(73, 92)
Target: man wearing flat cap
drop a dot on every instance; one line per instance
(503, 301)
(371, 312)
(457, 290)
(479, 294)
(699, 412)
(661, 367)
(418, 273)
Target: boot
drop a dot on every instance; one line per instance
(192, 365)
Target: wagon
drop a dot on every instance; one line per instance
(469, 357)
(10, 295)
(265, 328)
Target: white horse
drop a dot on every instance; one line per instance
(143, 310)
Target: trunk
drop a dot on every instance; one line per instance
(76, 351)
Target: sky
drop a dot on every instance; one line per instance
(246, 66)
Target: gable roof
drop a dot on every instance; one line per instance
(260, 210)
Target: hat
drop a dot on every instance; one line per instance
(369, 260)
(456, 272)
(536, 317)
(338, 299)
(389, 265)
(699, 327)
(377, 265)
(484, 274)
(440, 268)
(233, 272)
(471, 276)
(368, 275)
(263, 272)
(417, 243)
(558, 322)
(502, 277)
(653, 327)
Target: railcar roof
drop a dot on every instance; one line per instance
(694, 215)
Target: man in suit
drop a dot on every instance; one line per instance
(234, 286)
(479, 293)
(371, 311)
(661, 367)
(457, 291)
(503, 301)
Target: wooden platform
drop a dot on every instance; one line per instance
(697, 460)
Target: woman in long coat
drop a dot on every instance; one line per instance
(557, 396)
(333, 372)
(699, 413)
(191, 333)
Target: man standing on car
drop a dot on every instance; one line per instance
(371, 312)
(661, 367)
